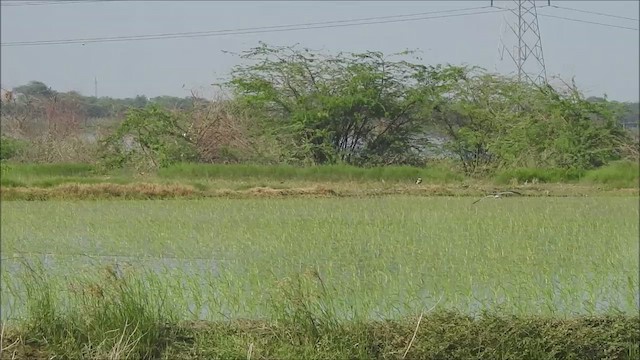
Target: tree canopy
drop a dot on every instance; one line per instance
(371, 109)
(350, 107)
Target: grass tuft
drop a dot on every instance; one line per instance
(110, 316)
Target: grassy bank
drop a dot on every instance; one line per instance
(55, 174)
(618, 174)
(128, 316)
(77, 181)
(338, 173)
(621, 174)
(122, 332)
(441, 335)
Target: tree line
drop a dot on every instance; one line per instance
(297, 106)
(91, 106)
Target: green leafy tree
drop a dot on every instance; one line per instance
(149, 137)
(36, 89)
(361, 108)
(494, 122)
(10, 147)
(590, 133)
(172, 102)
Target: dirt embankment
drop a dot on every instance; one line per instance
(144, 190)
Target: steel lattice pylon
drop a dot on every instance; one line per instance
(522, 43)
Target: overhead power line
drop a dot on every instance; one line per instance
(595, 13)
(18, 255)
(52, 2)
(589, 22)
(262, 29)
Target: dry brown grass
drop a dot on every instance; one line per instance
(99, 191)
(150, 190)
(14, 347)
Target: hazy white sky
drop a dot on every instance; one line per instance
(602, 59)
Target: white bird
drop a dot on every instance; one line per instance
(419, 181)
(498, 195)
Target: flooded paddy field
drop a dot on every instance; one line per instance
(374, 257)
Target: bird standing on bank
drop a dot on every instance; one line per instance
(419, 181)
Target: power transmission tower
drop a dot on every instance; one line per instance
(523, 44)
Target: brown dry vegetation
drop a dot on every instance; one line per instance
(147, 190)
(54, 129)
(214, 128)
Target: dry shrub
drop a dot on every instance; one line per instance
(219, 130)
(631, 150)
(22, 121)
(60, 116)
(64, 116)
(48, 149)
(53, 127)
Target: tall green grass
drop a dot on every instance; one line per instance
(522, 175)
(109, 315)
(45, 175)
(50, 175)
(40, 170)
(622, 174)
(98, 315)
(315, 173)
(10, 147)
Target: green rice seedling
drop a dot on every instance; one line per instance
(384, 257)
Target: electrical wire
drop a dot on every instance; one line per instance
(578, 20)
(303, 24)
(595, 13)
(589, 22)
(255, 30)
(17, 255)
(38, 3)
